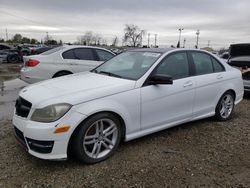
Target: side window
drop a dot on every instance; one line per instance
(2, 47)
(217, 66)
(104, 55)
(84, 54)
(202, 62)
(68, 54)
(175, 65)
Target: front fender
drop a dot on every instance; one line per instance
(126, 105)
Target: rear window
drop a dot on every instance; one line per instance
(53, 50)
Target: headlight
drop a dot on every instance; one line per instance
(50, 113)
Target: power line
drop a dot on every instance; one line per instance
(23, 18)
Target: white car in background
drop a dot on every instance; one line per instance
(133, 94)
(62, 61)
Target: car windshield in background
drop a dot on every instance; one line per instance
(52, 50)
(129, 65)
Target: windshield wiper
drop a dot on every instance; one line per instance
(109, 74)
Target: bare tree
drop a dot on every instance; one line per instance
(115, 41)
(96, 39)
(89, 38)
(133, 34)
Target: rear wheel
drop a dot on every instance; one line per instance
(13, 58)
(225, 106)
(97, 138)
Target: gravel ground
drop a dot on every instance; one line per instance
(204, 153)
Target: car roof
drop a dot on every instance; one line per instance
(155, 50)
(81, 46)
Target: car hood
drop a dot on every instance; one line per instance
(74, 89)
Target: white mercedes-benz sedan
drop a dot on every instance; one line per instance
(62, 61)
(132, 95)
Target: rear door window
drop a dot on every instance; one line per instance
(203, 63)
(69, 54)
(104, 55)
(218, 67)
(84, 54)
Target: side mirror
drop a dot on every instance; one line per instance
(160, 79)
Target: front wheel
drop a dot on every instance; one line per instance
(97, 138)
(225, 107)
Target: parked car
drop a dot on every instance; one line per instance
(41, 50)
(132, 95)
(239, 56)
(62, 61)
(12, 54)
(5, 46)
(225, 55)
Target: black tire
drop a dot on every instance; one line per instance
(78, 148)
(218, 111)
(13, 58)
(61, 73)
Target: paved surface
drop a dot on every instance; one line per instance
(204, 153)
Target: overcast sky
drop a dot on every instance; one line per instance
(221, 22)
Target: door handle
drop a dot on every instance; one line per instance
(187, 84)
(219, 76)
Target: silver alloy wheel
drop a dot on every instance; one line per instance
(226, 106)
(100, 138)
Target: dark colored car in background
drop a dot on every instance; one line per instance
(239, 56)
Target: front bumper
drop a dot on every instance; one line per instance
(39, 138)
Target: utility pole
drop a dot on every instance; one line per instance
(148, 39)
(184, 43)
(155, 39)
(7, 37)
(208, 43)
(180, 30)
(197, 39)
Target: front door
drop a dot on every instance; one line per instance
(166, 104)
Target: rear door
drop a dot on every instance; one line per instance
(81, 59)
(209, 79)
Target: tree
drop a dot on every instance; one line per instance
(115, 41)
(133, 34)
(88, 37)
(1, 40)
(52, 42)
(25, 40)
(33, 41)
(17, 38)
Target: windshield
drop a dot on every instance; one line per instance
(52, 50)
(130, 65)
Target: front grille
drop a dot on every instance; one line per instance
(246, 87)
(20, 137)
(22, 107)
(40, 146)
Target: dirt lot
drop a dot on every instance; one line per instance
(204, 153)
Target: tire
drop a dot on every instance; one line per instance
(97, 138)
(225, 107)
(12, 58)
(62, 73)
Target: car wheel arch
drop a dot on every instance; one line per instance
(60, 72)
(96, 113)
